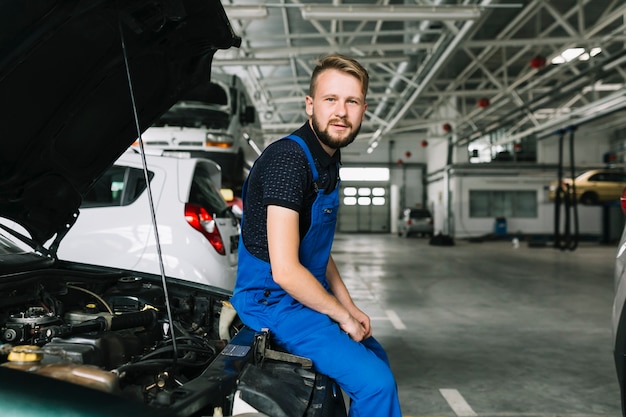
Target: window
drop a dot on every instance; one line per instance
(205, 193)
(364, 196)
(608, 177)
(119, 186)
(495, 203)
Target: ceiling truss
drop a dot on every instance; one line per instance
(435, 70)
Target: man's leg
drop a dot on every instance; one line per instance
(361, 369)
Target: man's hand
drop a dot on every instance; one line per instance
(364, 319)
(354, 329)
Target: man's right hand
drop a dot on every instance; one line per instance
(354, 329)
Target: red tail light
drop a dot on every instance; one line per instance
(622, 201)
(202, 221)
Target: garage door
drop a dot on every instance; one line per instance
(364, 208)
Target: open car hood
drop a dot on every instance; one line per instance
(67, 110)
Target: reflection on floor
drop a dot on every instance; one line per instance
(489, 329)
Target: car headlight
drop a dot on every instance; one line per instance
(218, 140)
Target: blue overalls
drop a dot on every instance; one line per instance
(361, 369)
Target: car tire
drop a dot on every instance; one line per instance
(589, 198)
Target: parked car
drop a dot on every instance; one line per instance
(215, 120)
(415, 221)
(593, 186)
(79, 83)
(199, 232)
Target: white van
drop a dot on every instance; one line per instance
(217, 121)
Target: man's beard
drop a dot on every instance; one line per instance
(329, 141)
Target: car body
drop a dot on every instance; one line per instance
(80, 82)
(199, 233)
(595, 186)
(415, 221)
(618, 317)
(216, 120)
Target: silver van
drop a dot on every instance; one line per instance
(216, 120)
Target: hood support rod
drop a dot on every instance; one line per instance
(149, 190)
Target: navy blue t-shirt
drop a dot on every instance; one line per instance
(281, 176)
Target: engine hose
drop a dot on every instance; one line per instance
(160, 363)
(146, 318)
(181, 347)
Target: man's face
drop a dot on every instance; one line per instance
(337, 109)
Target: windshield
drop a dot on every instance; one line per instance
(206, 106)
(195, 116)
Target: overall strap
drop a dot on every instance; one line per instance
(307, 152)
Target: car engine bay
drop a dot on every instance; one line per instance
(109, 334)
(109, 331)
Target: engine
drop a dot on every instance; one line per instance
(111, 334)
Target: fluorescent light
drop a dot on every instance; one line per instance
(244, 62)
(364, 174)
(245, 12)
(568, 55)
(398, 12)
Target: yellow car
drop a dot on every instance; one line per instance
(594, 186)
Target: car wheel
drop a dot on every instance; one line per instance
(589, 198)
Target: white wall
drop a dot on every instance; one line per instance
(590, 144)
(590, 218)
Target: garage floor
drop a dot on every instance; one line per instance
(487, 329)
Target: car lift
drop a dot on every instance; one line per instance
(566, 196)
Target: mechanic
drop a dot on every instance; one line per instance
(287, 281)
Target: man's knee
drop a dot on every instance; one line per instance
(377, 381)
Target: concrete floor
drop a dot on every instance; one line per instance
(486, 329)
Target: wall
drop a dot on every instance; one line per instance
(591, 142)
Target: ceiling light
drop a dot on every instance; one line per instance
(398, 12)
(568, 55)
(246, 12)
(244, 62)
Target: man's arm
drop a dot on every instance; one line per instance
(339, 290)
(283, 238)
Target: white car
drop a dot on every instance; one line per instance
(198, 231)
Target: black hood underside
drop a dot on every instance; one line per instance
(73, 74)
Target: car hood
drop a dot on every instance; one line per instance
(69, 98)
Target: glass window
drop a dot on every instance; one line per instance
(118, 186)
(365, 201)
(378, 201)
(349, 191)
(378, 191)
(363, 191)
(205, 193)
(496, 203)
(349, 201)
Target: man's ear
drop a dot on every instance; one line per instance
(309, 105)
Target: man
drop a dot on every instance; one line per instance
(287, 280)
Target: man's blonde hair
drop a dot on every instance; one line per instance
(341, 63)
